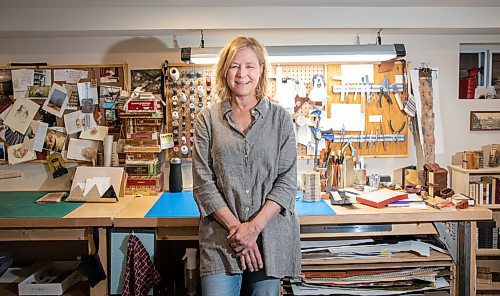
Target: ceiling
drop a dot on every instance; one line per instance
(248, 3)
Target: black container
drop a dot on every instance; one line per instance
(175, 176)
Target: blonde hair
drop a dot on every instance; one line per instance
(226, 56)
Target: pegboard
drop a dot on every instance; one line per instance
(395, 145)
(183, 127)
(303, 73)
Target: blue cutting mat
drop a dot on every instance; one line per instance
(179, 204)
(182, 204)
(316, 208)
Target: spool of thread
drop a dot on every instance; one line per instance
(108, 150)
(174, 73)
(175, 175)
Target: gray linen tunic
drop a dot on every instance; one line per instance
(241, 172)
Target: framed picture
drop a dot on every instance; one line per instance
(484, 120)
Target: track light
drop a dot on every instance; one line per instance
(308, 53)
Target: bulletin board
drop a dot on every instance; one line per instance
(98, 75)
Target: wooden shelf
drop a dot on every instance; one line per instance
(488, 252)
(492, 207)
(486, 287)
(483, 171)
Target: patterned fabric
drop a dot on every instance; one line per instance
(140, 273)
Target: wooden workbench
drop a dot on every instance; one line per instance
(402, 221)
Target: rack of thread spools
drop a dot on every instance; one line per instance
(188, 89)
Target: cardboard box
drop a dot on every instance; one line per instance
(53, 279)
(112, 194)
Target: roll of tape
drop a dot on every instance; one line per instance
(174, 74)
(175, 115)
(191, 99)
(175, 98)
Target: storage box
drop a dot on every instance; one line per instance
(53, 279)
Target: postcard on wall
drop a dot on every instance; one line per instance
(2, 151)
(82, 149)
(38, 92)
(74, 122)
(108, 75)
(54, 140)
(86, 91)
(73, 100)
(56, 164)
(69, 75)
(57, 101)
(109, 95)
(148, 80)
(21, 114)
(36, 132)
(96, 133)
(21, 79)
(42, 77)
(21, 152)
(12, 137)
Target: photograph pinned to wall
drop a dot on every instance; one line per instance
(42, 77)
(109, 96)
(48, 118)
(75, 122)
(2, 151)
(21, 152)
(36, 132)
(82, 149)
(37, 92)
(56, 164)
(12, 137)
(73, 100)
(87, 91)
(484, 120)
(57, 101)
(21, 114)
(109, 75)
(95, 133)
(147, 80)
(54, 140)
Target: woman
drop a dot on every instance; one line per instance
(244, 180)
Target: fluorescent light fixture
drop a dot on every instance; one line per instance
(311, 53)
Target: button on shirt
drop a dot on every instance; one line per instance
(241, 172)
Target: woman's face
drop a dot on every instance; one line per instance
(244, 73)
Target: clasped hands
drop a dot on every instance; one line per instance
(243, 239)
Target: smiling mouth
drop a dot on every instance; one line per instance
(241, 82)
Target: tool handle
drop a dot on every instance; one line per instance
(398, 100)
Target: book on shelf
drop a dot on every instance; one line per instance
(485, 191)
(51, 197)
(381, 197)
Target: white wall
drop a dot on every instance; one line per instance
(439, 50)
